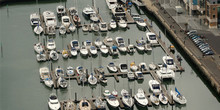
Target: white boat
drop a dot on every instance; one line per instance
(152, 66)
(135, 16)
(140, 47)
(154, 99)
(123, 67)
(74, 13)
(151, 38)
(87, 44)
(41, 57)
(119, 40)
(130, 75)
(92, 79)
(59, 71)
(75, 44)
(62, 82)
(142, 66)
(84, 105)
(103, 79)
(106, 93)
(98, 42)
(118, 12)
(65, 53)
(108, 41)
(38, 47)
(100, 104)
(133, 67)
(93, 50)
(65, 21)
(35, 19)
(88, 10)
(113, 50)
(44, 73)
(101, 70)
(179, 98)
(51, 44)
(112, 101)
(103, 26)
(54, 55)
(141, 23)
(104, 49)
(85, 27)
(155, 87)
(94, 18)
(111, 3)
(127, 98)
(70, 105)
(140, 98)
(95, 27)
(139, 75)
(122, 23)
(53, 102)
(76, 19)
(131, 48)
(80, 70)
(83, 78)
(48, 82)
(111, 67)
(147, 47)
(49, 19)
(72, 27)
(113, 24)
(38, 30)
(70, 71)
(165, 73)
(122, 48)
(62, 29)
(61, 10)
(73, 51)
(115, 93)
(51, 30)
(169, 62)
(163, 99)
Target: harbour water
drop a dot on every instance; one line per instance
(20, 86)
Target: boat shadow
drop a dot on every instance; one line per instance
(140, 81)
(140, 107)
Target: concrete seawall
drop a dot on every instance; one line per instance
(153, 8)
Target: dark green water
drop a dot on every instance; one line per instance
(20, 87)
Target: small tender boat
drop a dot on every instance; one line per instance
(104, 49)
(85, 27)
(84, 51)
(92, 79)
(38, 30)
(154, 99)
(165, 73)
(65, 21)
(111, 67)
(113, 50)
(54, 55)
(115, 93)
(84, 105)
(106, 93)
(131, 48)
(95, 27)
(80, 70)
(75, 44)
(142, 66)
(62, 29)
(72, 27)
(88, 10)
(147, 47)
(62, 82)
(122, 23)
(103, 26)
(139, 75)
(151, 38)
(112, 101)
(49, 19)
(141, 23)
(108, 41)
(127, 99)
(98, 42)
(51, 44)
(59, 71)
(53, 102)
(140, 98)
(69, 71)
(65, 53)
(70, 105)
(73, 51)
(155, 87)
(169, 62)
(103, 79)
(140, 47)
(133, 67)
(93, 50)
(100, 104)
(38, 47)
(152, 66)
(35, 19)
(41, 57)
(123, 67)
(113, 24)
(179, 98)
(61, 10)
(135, 16)
(163, 99)
(94, 18)
(111, 4)
(130, 76)
(73, 11)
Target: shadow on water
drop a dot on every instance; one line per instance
(140, 81)
(140, 107)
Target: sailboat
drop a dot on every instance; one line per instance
(38, 29)
(179, 98)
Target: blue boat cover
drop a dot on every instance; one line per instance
(114, 47)
(177, 91)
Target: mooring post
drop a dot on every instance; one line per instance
(151, 23)
(75, 97)
(1, 50)
(44, 43)
(159, 35)
(98, 10)
(128, 41)
(51, 66)
(39, 11)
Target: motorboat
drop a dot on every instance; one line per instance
(141, 98)
(163, 99)
(111, 67)
(73, 51)
(108, 41)
(147, 47)
(95, 27)
(113, 50)
(73, 11)
(152, 66)
(141, 23)
(93, 50)
(54, 55)
(49, 19)
(48, 82)
(111, 3)
(118, 12)
(38, 47)
(62, 29)
(70, 105)
(85, 27)
(75, 44)
(103, 26)
(131, 48)
(98, 42)
(51, 44)
(112, 101)
(87, 44)
(70, 71)
(41, 57)
(122, 48)
(59, 71)
(62, 82)
(94, 18)
(53, 102)
(155, 87)
(104, 49)
(154, 99)
(83, 78)
(140, 47)
(35, 19)
(74, 14)
(130, 75)
(122, 23)
(84, 105)
(65, 53)
(115, 93)
(165, 73)
(92, 79)
(133, 67)
(38, 30)
(135, 16)
(65, 21)
(101, 70)
(100, 104)
(127, 99)
(72, 27)
(151, 38)
(88, 10)
(80, 70)
(113, 24)
(169, 62)
(106, 93)
(119, 40)
(51, 30)
(61, 10)
(44, 73)
(179, 98)
(142, 66)
(123, 67)
(103, 79)
(139, 75)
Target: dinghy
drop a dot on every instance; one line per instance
(154, 99)
(80, 70)
(133, 67)
(62, 30)
(73, 52)
(106, 93)
(41, 57)
(85, 27)
(84, 105)
(59, 72)
(92, 79)
(142, 66)
(38, 30)
(115, 93)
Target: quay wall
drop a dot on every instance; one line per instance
(150, 6)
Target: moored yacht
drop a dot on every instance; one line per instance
(75, 44)
(65, 21)
(61, 10)
(141, 98)
(35, 19)
(151, 38)
(53, 102)
(111, 3)
(49, 19)
(155, 87)
(103, 26)
(51, 44)
(169, 62)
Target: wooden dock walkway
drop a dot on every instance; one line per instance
(138, 3)
(54, 78)
(130, 20)
(43, 24)
(97, 12)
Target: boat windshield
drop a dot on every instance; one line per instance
(66, 20)
(141, 98)
(88, 43)
(121, 45)
(75, 43)
(103, 26)
(140, 74)
(85, 104)
(156, 86)
(51, 44)
(54, 102)
(93, 48)
(111, 64)
(53, 97)
(120, 40)
(111, 97)
(60, 9)
(169, 61)
(152, 37)
(35, 19)
(124, 66)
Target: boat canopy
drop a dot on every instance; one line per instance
(169, 61)
(152, 37)
(111, 64)
(124, 66)
(156, 86)
(85, 104)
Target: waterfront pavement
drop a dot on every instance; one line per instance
(175, 23)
